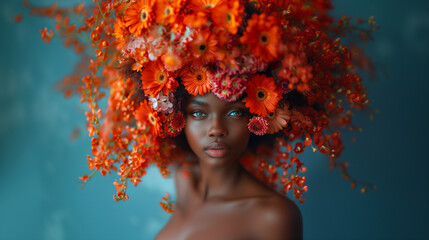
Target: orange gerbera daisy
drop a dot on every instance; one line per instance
(228, 15)
(156, 78)
(146, 116)
(262, 35)
(203, 5)
(262, 95)
(120, 30)
(278, 120)
(197, 81)
(204, 47)
(138, 16)
(166, 11)
(195, 20)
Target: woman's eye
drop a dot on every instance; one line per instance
(198, 114)
(237, 113)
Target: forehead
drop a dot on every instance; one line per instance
(211, 100)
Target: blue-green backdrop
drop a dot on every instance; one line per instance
(39, 165)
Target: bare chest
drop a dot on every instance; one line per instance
(216, 221)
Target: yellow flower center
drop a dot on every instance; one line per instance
(264, 38)
(151, 118)
(161, 78)
(261, 94)
(228, 18)
(271, 115)
(143, 15)
(200, 77)
(208, 6)
(168, 10)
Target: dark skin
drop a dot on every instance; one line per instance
(216, 197)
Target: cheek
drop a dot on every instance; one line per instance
(242, 135)
(193, 134)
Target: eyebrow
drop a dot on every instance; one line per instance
(196, 102)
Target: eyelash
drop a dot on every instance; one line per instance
(240, 112)
(194, 114)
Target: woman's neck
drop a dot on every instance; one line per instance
(219, 182)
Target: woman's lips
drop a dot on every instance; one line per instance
(217, 153)
(217, 150)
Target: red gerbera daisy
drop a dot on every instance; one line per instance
(197, 81)
(175, 124)
(227, 88)
(146, 116)
(156, 78)
(262, 95)
(258, 125)
(178, 122)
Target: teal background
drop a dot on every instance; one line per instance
(39, 165)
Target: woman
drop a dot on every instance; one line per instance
(220, 199)
(247, 67)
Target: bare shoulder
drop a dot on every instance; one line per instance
(277, 218)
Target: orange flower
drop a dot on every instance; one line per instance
(18, 18)
(166, 11)
(138, 16)
(136, 67)
(204, 5)
(262, 95)
(204, 47)
(278, 120)
(146, 116)
(172, 61)
(262, 35)
(120, 29)
(197, 81)
(195, 20)
(228, 15)
(140, 55)
(155, 78)
(166, 204)
(46, 35)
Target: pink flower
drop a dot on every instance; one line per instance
(252, 64)
(162, 103)
(154, 44)
(258, 125)
(228, 88)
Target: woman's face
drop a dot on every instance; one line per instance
(216, 130)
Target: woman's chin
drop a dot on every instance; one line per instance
(216, 162)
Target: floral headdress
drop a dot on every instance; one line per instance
(284, 59)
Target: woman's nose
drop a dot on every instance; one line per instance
(217, 128)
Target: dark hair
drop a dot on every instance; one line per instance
(294, 98)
